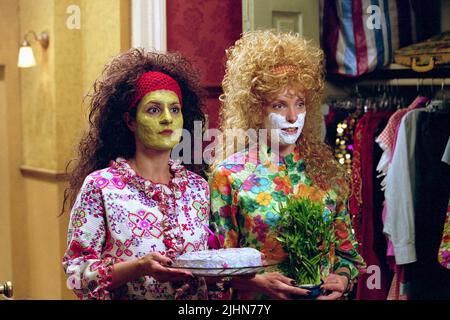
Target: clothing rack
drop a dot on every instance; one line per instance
(397, 75)
(388, 95)
(367, 214)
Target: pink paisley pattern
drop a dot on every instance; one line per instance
(120, 216)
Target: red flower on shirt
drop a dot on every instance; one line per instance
(77, 250)
(346, 245)
(284, 184)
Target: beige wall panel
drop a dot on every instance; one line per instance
(68, 82)
(42, 119)
(5, 205)
(37, 88)
(43, 239)
(12, 197)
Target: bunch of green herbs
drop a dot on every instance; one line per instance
(307, 236)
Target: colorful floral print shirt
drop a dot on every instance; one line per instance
(120, 216)
(245, 196)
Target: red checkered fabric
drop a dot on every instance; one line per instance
(389, 135)
(153, 81)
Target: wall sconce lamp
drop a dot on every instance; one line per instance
(26, 56)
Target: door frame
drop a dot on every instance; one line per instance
(149, 25)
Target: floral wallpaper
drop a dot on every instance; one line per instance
(202, 30)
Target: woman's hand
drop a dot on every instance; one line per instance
(336, 285)
(264, 261)
(277, 286)
(155, 265)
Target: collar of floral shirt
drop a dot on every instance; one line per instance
(291, 161)
(177, 185)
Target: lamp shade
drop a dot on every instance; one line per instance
(26, 57)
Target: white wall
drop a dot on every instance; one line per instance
(257, 15)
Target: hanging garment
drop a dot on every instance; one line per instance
(343, 150)
(360, 36)
(399, 193)
(379, 239)
(355, 199)
(402, 234)
(387, 140)
(444, 248)
(432, 191)
(446, 156)
(371, 223)
(388, 136)
(399, 285)
(334, 117)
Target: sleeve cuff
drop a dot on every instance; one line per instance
(405, 254)
(99, 289)
(342, 263)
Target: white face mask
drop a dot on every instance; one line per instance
(278, 123)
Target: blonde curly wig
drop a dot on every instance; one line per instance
(259, 65)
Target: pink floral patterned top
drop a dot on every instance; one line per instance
(120, 216)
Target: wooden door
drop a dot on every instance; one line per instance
(5, 216)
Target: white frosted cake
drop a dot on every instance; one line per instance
(221, 258)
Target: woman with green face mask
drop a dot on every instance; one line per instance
(134, 209)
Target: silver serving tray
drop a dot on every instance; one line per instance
(223, 272)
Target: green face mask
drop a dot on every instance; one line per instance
(159, 120)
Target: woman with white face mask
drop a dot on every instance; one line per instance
(275, 82)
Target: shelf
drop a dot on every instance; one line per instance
(409, 82)
(396, 74)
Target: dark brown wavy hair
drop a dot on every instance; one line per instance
(108, 136)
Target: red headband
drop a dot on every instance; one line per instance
(153, 81)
